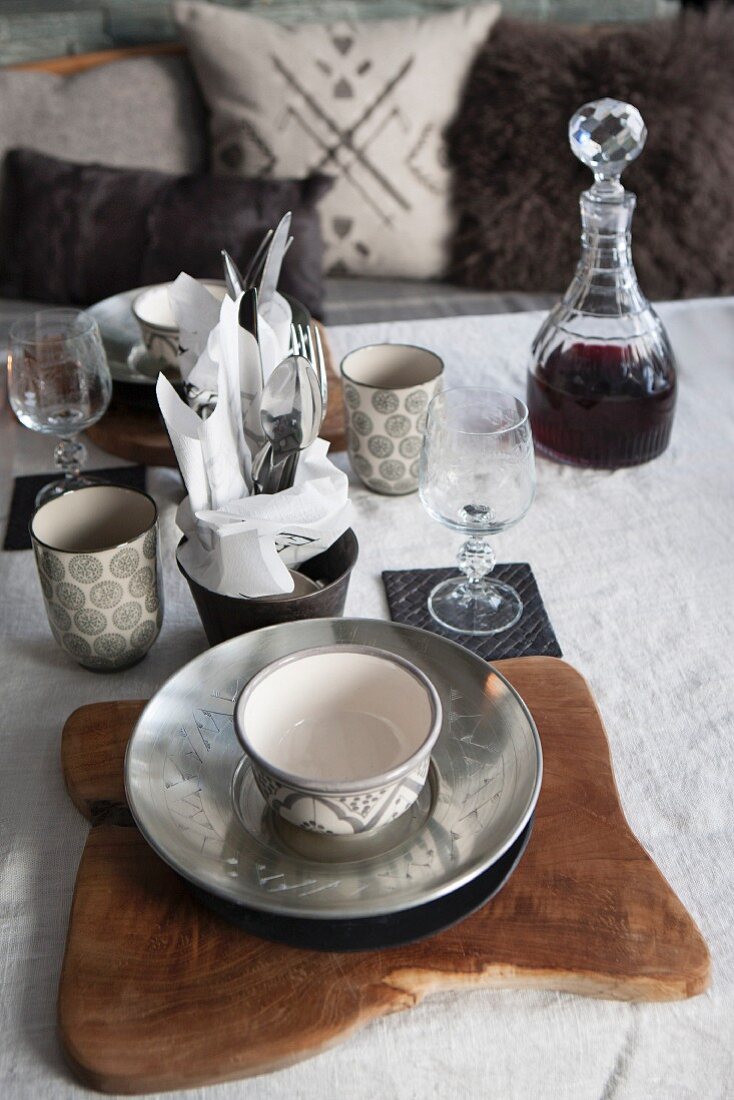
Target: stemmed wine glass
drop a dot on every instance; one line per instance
(59, 383)
(477, 475)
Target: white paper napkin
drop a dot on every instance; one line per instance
(238, 543)
(255, 540)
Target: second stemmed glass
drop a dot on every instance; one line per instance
(59, 383)
(477, 475)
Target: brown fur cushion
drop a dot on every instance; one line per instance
(517, 183)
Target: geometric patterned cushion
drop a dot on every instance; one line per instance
(366, 103)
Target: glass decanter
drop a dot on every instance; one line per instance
(602, 380)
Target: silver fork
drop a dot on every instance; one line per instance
(311, 348)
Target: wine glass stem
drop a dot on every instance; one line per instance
(69, 456)
(476, 560)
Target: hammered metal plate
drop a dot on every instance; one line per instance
(191, 799)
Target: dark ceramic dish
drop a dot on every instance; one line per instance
(376, 933)
(225, 617)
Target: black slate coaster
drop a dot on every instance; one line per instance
(22, 506)
(407, 596)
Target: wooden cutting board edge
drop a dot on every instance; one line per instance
(398, 988)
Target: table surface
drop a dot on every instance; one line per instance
(636, 571)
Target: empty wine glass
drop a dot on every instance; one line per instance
(59, 383)
(477, 475)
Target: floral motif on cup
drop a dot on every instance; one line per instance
(149, 544)
(127, 615)
(385, 401)
(362, 423)
(85, 568)
(415, 468)
(61, 618)
(106, 594)
(142, 582)
(143, 635)
(110, 645)
(351, 396)
(416, 401)
(70, 595)
(152, 603)
(410, 446)
(392, 469)
(421, 423)
(46, 586)
(52, 566)
(352, 440)
(76, 645)
(362, 466)
(125, 562)
(380, 446)
(397, 425)
(89, 621)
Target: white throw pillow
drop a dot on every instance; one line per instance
(366, 103)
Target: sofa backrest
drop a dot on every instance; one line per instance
(143, 111)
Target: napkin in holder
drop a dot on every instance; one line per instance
(238, 543)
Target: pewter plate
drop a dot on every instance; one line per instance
(194, 800)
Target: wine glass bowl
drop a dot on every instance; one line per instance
(59, 384)
(477, 475)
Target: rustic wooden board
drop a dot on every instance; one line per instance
(139, 435)
(157, 992)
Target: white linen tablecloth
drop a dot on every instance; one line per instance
(636, 571)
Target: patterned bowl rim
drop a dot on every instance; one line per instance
(396, 344)
(153, 325)
(340, 786)
(97, 549)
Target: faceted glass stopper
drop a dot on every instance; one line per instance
(607, 135)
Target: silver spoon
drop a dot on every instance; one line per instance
(290, 414)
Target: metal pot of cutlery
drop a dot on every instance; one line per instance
(146, 333)
(263, 498)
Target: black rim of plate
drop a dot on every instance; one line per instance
(375, 933)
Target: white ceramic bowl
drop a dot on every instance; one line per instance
(339, 737)
(152, 310)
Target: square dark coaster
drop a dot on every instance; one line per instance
(22, 506)
(407, 596)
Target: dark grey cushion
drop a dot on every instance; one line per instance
(78, 233)
(142, 113)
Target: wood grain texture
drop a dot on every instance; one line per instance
(158, 993)
(139, 435)
(79, 63)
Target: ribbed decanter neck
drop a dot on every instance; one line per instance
(605, 282)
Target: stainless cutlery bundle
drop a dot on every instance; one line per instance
(294, 397)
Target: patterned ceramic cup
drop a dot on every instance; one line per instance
(387, 389)
(97, 557)
(339, 737)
